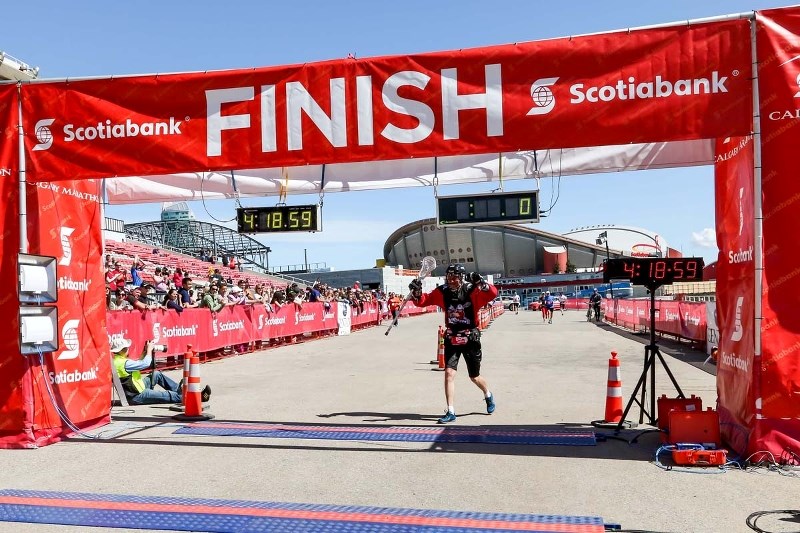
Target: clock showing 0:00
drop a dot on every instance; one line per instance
(654, 270)
(278, 219)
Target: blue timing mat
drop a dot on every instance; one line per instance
(405, 434)
(228, 516)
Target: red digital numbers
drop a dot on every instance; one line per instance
(630, 269)
(691, 269)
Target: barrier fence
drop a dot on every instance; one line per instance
(243, 326)
(687, 320)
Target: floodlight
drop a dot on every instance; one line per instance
(38, 328)
(37, 279)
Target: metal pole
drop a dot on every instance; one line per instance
(611, 282)
(305, 259)
(23, 198)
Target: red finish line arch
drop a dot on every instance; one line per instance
(675, 95)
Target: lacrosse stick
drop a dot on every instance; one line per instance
(428, 264)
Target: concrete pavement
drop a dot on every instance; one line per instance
(543, 376)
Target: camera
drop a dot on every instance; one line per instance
(158, 347)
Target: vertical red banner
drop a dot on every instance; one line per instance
(64, 221)
(16, 417)
(778, 45)
(737, 368)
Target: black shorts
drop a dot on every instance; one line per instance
(472, 356)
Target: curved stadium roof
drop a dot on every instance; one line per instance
(510, 250)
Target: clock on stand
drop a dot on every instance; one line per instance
(651, 272)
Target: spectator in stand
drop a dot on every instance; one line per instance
(215, 276)
(115, 277)
(109, 264)
(313, 294)
(139, 301)
(171, 301)
(278, 300)
(210, 299)
(109, 299)
(185, 296)
(236, 296)
(224, 260)
(159, 280)
(119, 301)
(136, 269)
(177, 277)
(232, 263)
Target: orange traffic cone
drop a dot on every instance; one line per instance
(614, 391)
(440, 337)
(440, 353)
(187, 360)
(193, 402)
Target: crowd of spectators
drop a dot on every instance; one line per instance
(178, 289)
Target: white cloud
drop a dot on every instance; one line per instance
(707, 238)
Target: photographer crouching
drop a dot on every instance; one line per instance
(140, 390)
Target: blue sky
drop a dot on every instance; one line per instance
(93, 38)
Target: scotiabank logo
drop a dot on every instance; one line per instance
(543, 98)
(105, 130)
(72, 343)
(627, 89)
(43, 134)
(738, 328)
(66, 246)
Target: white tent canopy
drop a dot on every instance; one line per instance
(408, 172)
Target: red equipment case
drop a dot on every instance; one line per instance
(700, 457)
(666, 405)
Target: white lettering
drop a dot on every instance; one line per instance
(404, 106)
(334, 128)
(69, 284)
(659, 88)
(733, 361)
(179, 331)
(216, 123)
(740, 256)
(73, 377)
(107, 130)
(491, 100)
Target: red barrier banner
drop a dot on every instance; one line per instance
(778, 385)
(63, 222)
(557, 93)
(16, 407)
(239, 324)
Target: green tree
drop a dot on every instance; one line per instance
(571, 268)
(556, 269)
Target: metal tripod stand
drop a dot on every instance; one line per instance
(647, 402)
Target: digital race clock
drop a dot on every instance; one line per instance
(482, 209)
(654, 271)
(277, 219)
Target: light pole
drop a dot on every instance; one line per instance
(603, 238)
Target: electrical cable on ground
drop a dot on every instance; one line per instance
(752, 520)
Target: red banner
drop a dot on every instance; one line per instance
(16, 404)
(778, 45)
(682, 82)
(737, 368)
(64, 222)
(239, 324)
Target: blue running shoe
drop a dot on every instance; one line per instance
(447, 418)
(490, 404)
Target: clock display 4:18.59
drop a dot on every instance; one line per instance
(659, 270)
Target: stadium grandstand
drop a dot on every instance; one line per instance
(178, 235)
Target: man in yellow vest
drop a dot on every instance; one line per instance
(140, 389)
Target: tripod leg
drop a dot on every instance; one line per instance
(669, 373)
(642, 383)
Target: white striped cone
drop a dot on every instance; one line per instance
(193, 405)
(614, 391)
